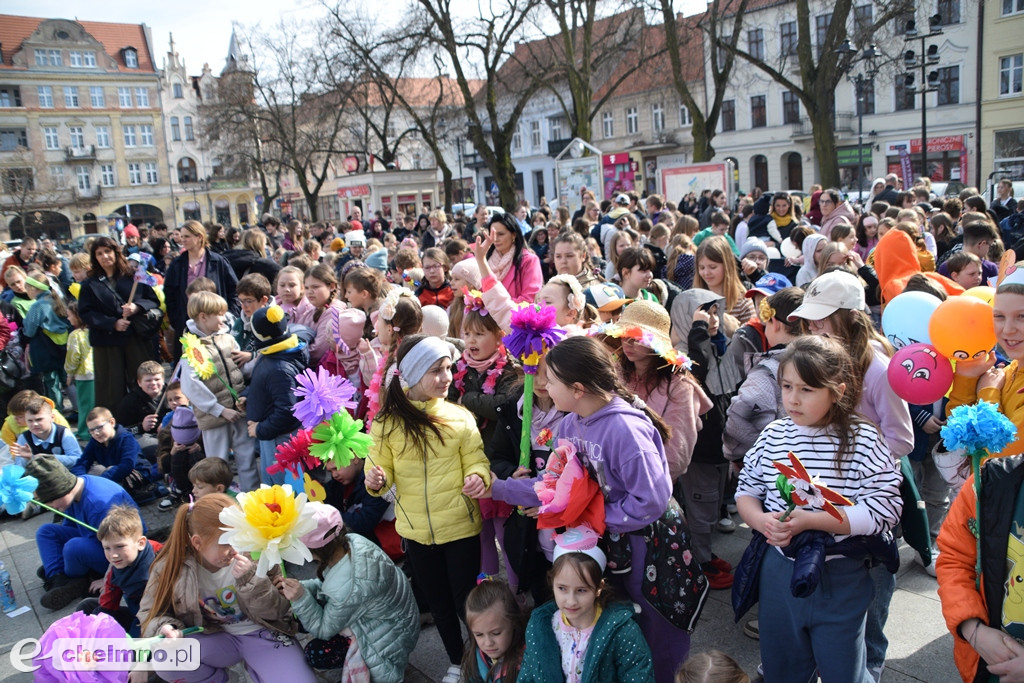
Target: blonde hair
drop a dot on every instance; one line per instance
(122, 521)
(291, 270)
(79, 261)
(711, 667)
(197, 230)
(716, 248)
(207, 303)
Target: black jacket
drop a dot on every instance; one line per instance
(217, 269)
(244, 262)
(890, 195)
(99, 308)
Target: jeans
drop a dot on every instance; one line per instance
(874, 635)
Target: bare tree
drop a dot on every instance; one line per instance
(27, 189)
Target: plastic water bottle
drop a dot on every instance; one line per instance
(6, 590)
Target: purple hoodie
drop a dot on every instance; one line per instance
(621, 446)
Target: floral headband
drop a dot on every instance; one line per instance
(645, 337)
(387, 308)
(474, 301)
(576, 300)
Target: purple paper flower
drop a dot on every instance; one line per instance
(534, 331)
(321, 395)
(16, 489)
(78, 625)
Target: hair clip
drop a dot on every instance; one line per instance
(764, 310)
(473, 300)
(480, 578)
(191, 502)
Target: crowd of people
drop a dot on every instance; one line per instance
(698, 345)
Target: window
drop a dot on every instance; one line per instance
(728, 115)
(608, 124)
(534, 134)
(141, 98)
(89, 59)
(96, 97)
(517, 136)
(77, 137)
(45, 96)
(75, 58)
(187, 171)
(632, 121)
(866, 97)
(131, 58)
(17, 180)
(863, 18)
(790, 107)
(129, 136)
(10, 96)
(906, 97)
(788, 38)
(949, 85)
(821, 24)
(57, 177)
(1012, 6)
(555, 129)
(417, 161)
(48, 58)
(684, 115)
(103, 136)
(82, 174)
(70, 97)
(146, 136)
(758, 116)
(1010, 70)
(176, 131)
(134, 173)
(658, 117)
(107, 175)
(152, 177)
(12, 138)
(124, 98)
(51, 138)
(178, 93)
(899, 23)
(755, 43)
(190, 136)
(949, 11)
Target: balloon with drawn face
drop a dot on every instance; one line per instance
(919, 375)
(905, 318)
(962, 329)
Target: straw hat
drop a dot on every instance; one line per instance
(647, 323)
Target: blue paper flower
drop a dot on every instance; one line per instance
(16, 489)
(321, 395)
(978, 427)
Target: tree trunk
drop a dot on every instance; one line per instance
(702, 149)
(446, 181)
(823, 131)
(314, 213)
(505, 175)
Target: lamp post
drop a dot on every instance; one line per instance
(462, 191)
(865, 76)
(929, 80)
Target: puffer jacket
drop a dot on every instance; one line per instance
(364, 592)
(219, 346)
(271, 393)
(257, 597)
(431, 508)
(757, 403)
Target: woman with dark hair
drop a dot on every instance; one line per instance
(513, 264)
(161, 250)
(234, 238)
(114, 323)
(215, 238)
(251, 256)
(834, 210)
(196, 261)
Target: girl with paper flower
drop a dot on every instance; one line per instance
(198, 581)
(400, 315)
(430, 451)
(823, 631)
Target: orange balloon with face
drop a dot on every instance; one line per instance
(961, 328)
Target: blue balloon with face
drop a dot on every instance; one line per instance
(905, 319)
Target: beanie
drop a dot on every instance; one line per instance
(754, 244)
(378, 260)
(435, 321)
(270, 324)
(55, 480)
(184, 428)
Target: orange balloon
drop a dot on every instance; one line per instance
(961, 328)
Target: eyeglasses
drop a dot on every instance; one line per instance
(247, 302)
(434, 267)
(98, 428)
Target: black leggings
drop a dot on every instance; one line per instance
(447, 572)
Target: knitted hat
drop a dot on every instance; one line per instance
(350, 326)
(131, 230)
(468, 270)
(184, 428)
(378, 260)
(328, 526)
(270, 324)
(435, 321)
(337, 244)
(55, 480)
(754, 244)
(355, 238)
(581, 539)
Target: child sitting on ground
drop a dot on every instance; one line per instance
(113, 453)
(210, 475)
(138, 411)
(43, 436)
(15, 423)
(184, 451)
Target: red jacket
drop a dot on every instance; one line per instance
(441, 296)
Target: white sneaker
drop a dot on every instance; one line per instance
(726, 525)
(930, 568)
(454, 674)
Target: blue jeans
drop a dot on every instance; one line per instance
(822, 634)
(267, 450)
(65, 551)
(874, 634)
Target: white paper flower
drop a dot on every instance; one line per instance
(269, 522)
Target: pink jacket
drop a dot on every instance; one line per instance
(524, 282)
(680, 404)
(324, 328)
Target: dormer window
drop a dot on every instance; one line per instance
(131, 58)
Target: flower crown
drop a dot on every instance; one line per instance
(474, 301)
(645, 337)
(576, 300)
(387, 308)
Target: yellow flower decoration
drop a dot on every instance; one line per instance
(270, 521)
(197, 356)
(764, 311)
(315, 491)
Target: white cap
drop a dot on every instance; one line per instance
(828, 293)
(622, 199)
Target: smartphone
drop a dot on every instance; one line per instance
(708, 306)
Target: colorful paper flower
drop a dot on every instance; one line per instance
(321, 395)
(797, 487)
(293, 455)
(387, 307)
(646, 338)
(978, 427)
(197, 356)
(473, 300)
(315, 491)
(16, 490)
(339, 439)
(78, 625)
(269, 521)
(534, 331)
(545, 437)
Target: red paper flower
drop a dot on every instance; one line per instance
(293, 455)
(807, 490)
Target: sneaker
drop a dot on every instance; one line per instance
(720, 564)
(65, 590)
(453, 675)
(876, 672)
(751, 629)
(171, 502)
(726, 525)
(730, 507)
(41, 572)
(30, 511)
(929, 568)
(717, 579)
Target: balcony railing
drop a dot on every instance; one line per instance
(90, 193)
(86, 153)
(845, 122)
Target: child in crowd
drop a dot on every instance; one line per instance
(711, 667)
(465, 275)
(197, 581)
(717, 272)
(15, 423)
(210, 475)
(608, 300)
(253, 294)
(291, 296)
(979, 235)
(70, 552)
(140, 411)
(183, 450)
(113, 453)
(581, 633)
(79, 369)
(820, 391)
(216, 400)
(964, 269)
(570, 258)
(682, 260)
(497, 638)
(359, 609)
(43, 436)
(435, 288)
(399, 316)
(438, 517)
(636, 273)
(720, 222)
(130, 555)
(46, 326)
(322, 292)
(867, 235)
(271, 393)
(372, 517)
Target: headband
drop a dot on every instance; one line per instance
(36, 283)
(420, 357)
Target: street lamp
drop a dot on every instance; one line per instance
(462, 191)
(929, 80)
(865, 76)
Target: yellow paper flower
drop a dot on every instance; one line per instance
(197, 356)
(315, 491)
(270, 521)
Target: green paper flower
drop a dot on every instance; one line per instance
(339, 439)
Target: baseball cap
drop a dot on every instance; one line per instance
(828, 293)
(622, 199)
(606, 296)
(769, 284)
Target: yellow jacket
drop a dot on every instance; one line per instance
(11, 429)
(431, 508)
(1010, 400)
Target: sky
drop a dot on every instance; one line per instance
(201, 28)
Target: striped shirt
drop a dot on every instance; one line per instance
(870, 477)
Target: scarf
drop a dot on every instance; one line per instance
(491, 367)
(501, 264)
(781, 221)
(132, 579)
